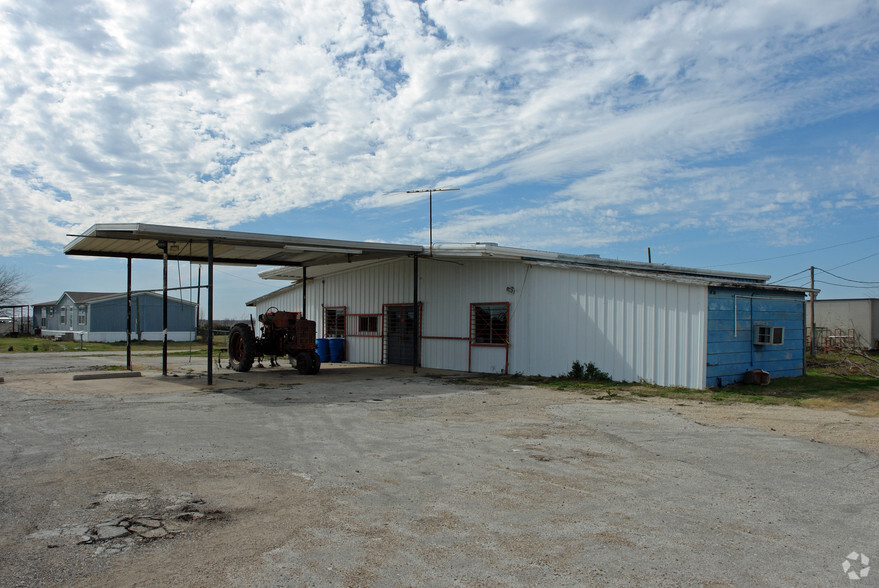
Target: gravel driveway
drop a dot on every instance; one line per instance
(373, 476)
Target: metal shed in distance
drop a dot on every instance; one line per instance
(851, 323)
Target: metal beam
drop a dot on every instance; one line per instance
(191, 258)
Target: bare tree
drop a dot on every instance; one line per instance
(12, 286)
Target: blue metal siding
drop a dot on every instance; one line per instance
(732, 315)
(146, 315)
(109, 316)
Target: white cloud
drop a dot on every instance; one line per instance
(217, 113)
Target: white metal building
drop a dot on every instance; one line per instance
(485, 308)
(846, 323)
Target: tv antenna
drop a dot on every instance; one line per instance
(430, 192)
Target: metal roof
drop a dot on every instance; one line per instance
(461, 251)
(92, 297)
(141, 241)
(77, 297)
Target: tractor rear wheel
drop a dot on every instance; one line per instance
(242, 347)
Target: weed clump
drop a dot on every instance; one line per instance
(588, 372)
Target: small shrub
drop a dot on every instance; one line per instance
(595, 374)
(588, 372)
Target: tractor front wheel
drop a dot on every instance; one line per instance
(303, 363)
(315, 363)
(306, 363)
(242, 347)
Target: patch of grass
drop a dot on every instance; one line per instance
(831, 381)
(825, 385)
(40, 345)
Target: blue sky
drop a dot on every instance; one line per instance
(737, 135)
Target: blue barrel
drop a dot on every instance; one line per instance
(337, 350)
(323, 350)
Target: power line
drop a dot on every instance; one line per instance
(847, 285)
(855, 261)
(847, 279)
(788, 277)
(795, 254)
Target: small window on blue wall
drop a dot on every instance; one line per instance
(765, 335)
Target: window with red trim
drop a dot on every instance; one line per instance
(489, 324)
(334, 322)
(367, 324)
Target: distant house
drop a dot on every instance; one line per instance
(848, 323)
(102, 316)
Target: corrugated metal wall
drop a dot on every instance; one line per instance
(860, 315)
(633, 328)
(361, 291)
(445, 290)
(732, 314)
(450, 288)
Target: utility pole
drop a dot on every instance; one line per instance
(430, 192)
(814, 346)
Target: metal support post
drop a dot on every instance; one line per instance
(128, 322)
(814, 346)
(210, 312)
(416, 335)
(164, 308)
(304, 283)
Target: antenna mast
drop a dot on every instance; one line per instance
(430, 192)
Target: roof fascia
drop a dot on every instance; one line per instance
(281, 290)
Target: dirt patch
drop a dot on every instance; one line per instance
(140, 522)
(845, 426)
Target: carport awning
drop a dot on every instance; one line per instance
(139, 241)
(142, 241)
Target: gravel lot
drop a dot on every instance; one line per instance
(373, 476)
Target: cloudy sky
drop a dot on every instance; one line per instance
(741, 135)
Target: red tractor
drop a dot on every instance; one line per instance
(282, 333)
